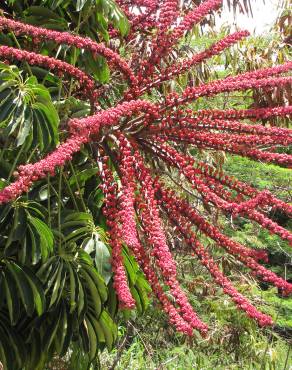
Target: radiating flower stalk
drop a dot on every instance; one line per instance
(137, 130)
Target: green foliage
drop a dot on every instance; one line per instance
(56, 285)
(27, 113)
(262, 176)
(234, 341)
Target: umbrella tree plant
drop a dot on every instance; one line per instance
(81, 189)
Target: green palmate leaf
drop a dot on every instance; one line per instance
(18, 228)
(27, 112)
(25, 126)
(39, 231)
(94, 299)
(77, 225)
(80, 4)
(74, 287)
(46, 118)
(46, 269)
(115, 15)
(109, 329)
(143, 289)
(62, 332)
(137, 298)
(77, 234)
(68, 327)
(51, 330)
(58, 285)
(97, 279)
(36, 209)
(12, 352)
(49, 277)
(83, 337)
(84, 258)
(9, 286)
(38, 292)
(36, 355)
(35, 247)
(131, 267)
(102, 259)
(23, 287)
(81, 303)
(139, 286)
(17, 346)
(39, 15)
(97, 327)
(112, 302)
(82, 177)
(92, 339)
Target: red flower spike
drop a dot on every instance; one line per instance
(227, 85)
(109, 188)
(258, 113)
(52, 64)
(30, 173)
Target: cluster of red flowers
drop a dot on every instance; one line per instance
(186, 64)
(140, 132)
(109, 188)
(143, 21)
(130, 236)
(161, 45)
(236, 144)
(156, 238)
(193, 17)
(218, 196)
(173, 206)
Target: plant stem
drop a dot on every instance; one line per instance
(74, 54)
(49, 201)
(59, 206)
(78, 187)
(15, 162)
(122, 346)
(71, 192)
(287, 357)
(19, 47)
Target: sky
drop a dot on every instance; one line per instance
(263, 16)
